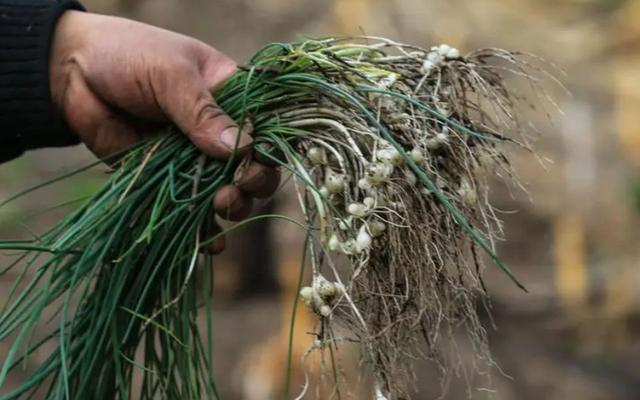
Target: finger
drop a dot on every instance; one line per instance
(103, 130)
(215, 67)
(188, 103)
(258, 180)
(232, 204)
(219, 243)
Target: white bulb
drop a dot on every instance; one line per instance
(357, 209)
(427, 66)
(443, 49)
(416, 155)
(349, 247)
(398, 117)
(434, 58)
(324, 192)
(438, 141)
(377, 228)
(334, 182)
(378, 173)
(388, 81)
(467, 193)
(325, 311)
(410, 177)
(453, 53)
(380, 395)
(434, 143)
(324, 287)
(363, 241)
(364, 184)
(369, 202)
(306, 293)
(396, 158)
(317, 155)
(384, 156)
(327, 290)
(470, 197)
(334, 243)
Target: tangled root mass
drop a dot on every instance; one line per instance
(395, 160)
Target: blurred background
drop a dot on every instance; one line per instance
(574, 238)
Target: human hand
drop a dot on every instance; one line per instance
(115, 80)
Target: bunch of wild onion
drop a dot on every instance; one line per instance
(389, 145)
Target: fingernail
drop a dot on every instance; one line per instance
(233, 139)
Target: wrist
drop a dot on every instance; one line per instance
(28, 118)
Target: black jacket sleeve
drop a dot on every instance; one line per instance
(28, 119)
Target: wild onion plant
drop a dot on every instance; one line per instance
(390, 146)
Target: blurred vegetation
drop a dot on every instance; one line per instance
(634, 192)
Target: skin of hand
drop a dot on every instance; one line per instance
(116, 81)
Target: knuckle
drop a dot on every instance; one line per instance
(206, 110)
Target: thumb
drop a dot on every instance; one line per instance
(193, 109)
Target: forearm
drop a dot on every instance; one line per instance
(28, 118)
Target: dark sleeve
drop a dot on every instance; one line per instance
(28, 119)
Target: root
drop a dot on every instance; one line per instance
(415, 276)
